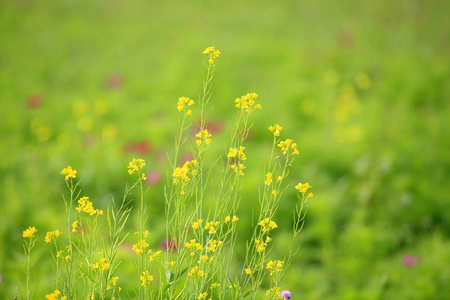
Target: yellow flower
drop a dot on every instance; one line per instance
(215, 285)
(248, 271)
(136, 165)
(140, 246)
(227, 219)
(203, 136)
(286, 145)
(302, 188)
(184, 102)
(84, 205)
(145, 277)
(268, 178)
(75, 227)
(247, 102)
(52, 234)
(276, 129)
(29, 233)
(54, 296)
(234, 219)
(213, 54)
(184, 172)
(202, 295)
(69, 172)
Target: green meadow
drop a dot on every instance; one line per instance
(362, 87)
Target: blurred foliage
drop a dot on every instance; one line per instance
(362, 87)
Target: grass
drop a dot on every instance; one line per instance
(376, 157)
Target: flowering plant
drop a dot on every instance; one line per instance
(199, 261)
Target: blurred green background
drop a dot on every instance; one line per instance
(361, 86)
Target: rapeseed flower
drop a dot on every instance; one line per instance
(203, 136)
(52, 235)
(202, 296)
(84, 205)
(247, 102)
(136, 165)
(268, 178)
(286, 145)
(276, 129)
(29, 233)
(55, 296)
(274, 291)
(274, 266)
(69, 172)
(181, 173)
(213, 54)
(303, 187)
(184, 102)
(145, 277)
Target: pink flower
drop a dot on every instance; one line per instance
(286, 294)
(410, 260)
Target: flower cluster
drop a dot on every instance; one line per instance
(196, 271)
(286, 145)
(140, 246)
(234, 152)
(202, 296)
(55, 296)
(247, 102)
(274, 266)
(276, 129)
(302, 187)
(136, 165)
(203, 136)
(183, 172)
(211, 226)
(84, 205)
(194, 245)
(197, 224)
(275, 291)
(153, 255)
(267, 225)
(112, 282)
(52, 235)
(69, 172)
(101, 265)
(145, 277)
(213, 244)
(29, 233)
(261, 245)
(185, 102)
(228, 219)
(213, 54)
(239, 154)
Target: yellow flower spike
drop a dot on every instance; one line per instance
(247, 102)
(69, 172)
(213, 54)
(275, 129)
(135, 165)
(268, 179)
(29, 233)
(302, 188)
(232, 152)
